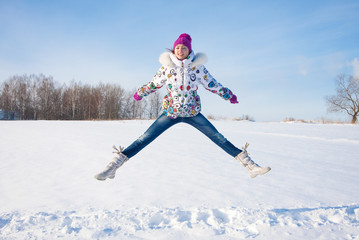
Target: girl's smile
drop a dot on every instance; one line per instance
(181, 51)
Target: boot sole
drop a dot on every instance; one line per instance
(103, 179)
(261, 173)
(100, 179)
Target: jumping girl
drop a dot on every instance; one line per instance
(182, 71)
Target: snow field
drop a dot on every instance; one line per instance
(182, 186)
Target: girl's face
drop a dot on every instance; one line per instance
(181, 51)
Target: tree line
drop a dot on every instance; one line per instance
(39, 97)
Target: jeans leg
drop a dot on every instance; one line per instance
(161, 124)
(203, 125)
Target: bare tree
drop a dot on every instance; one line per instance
(33, 97)
(21, 95)
(56, 103)
(112, 101)
(16, 97)
(7, 99)
(45, 90)
(155, 105)
(346, 98)
(74, 93)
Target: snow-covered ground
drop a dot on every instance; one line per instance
(180, 187)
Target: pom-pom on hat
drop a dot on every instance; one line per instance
(184, 39)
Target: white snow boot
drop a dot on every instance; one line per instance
(111, 168)
(253, 168)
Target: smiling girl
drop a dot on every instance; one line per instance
(182, 72)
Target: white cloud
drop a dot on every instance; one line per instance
(304, 65)
(355, 64)
(334, 63)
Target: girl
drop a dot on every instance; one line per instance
(182, 71)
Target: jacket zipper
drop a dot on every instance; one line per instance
(182, 91)
(183, 73)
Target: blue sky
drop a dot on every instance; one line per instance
(280, 57)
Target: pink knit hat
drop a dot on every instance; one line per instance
(184, 39)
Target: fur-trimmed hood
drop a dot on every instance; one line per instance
(168, 59)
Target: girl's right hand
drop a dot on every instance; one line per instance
(136, 97)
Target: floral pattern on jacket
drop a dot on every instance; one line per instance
(182, 79)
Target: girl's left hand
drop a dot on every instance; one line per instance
(233, 99)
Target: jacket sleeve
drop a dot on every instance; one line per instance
(156, 83)
(212, 85)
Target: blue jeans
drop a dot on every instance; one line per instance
(163, 123)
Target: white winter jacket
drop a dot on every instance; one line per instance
(182, 79)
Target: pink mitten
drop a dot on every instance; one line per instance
(136, 97)
(233, 99)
